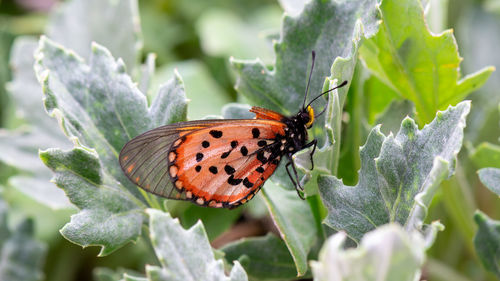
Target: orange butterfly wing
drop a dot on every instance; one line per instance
(215, 163)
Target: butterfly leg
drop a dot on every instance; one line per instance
(313, 143)
(295, 182)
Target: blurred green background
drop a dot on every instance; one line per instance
(197, 38)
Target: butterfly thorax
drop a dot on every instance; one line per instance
(296, 131)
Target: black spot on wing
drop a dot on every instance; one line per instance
(229, 170)
(262, 143)
(199, 156)
(232, 181)
(260, 169)
(261, 157)
(255, 133)
(213, 170)
(225, 154)
(234, 144)
(215, 133)
(198, 168)
(244, 151)
(247, 183)
(205, 144)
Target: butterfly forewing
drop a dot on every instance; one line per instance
(215, 163)
(144, 158)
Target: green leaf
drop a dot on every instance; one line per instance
(184, 254)
(420, 66)
(398, 176)
(99, 107)
(170, 104)
(487, 242)
(295, 220)
(108, 216)
(22, 256)
(486, 155)
(263, 258)
(387, 253)
(112, 23)
(490, 177)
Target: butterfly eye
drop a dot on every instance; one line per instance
(310, 112)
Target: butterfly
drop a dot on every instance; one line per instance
(219, 163)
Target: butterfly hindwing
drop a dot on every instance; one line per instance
(215, 163)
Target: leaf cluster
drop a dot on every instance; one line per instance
(351, 227)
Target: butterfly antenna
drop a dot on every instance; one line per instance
(339, 86)
(313, 54)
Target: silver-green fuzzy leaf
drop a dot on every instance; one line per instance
(487, 242)
(99, 107)
(398, 177)
(185, 255)
(108, 216)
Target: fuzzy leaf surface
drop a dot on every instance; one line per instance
(108, 216)
(99, 107)
(487, 242)
(387, 253)
(295, 220)
(185, 254)
(419, 65)
(398, 176)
